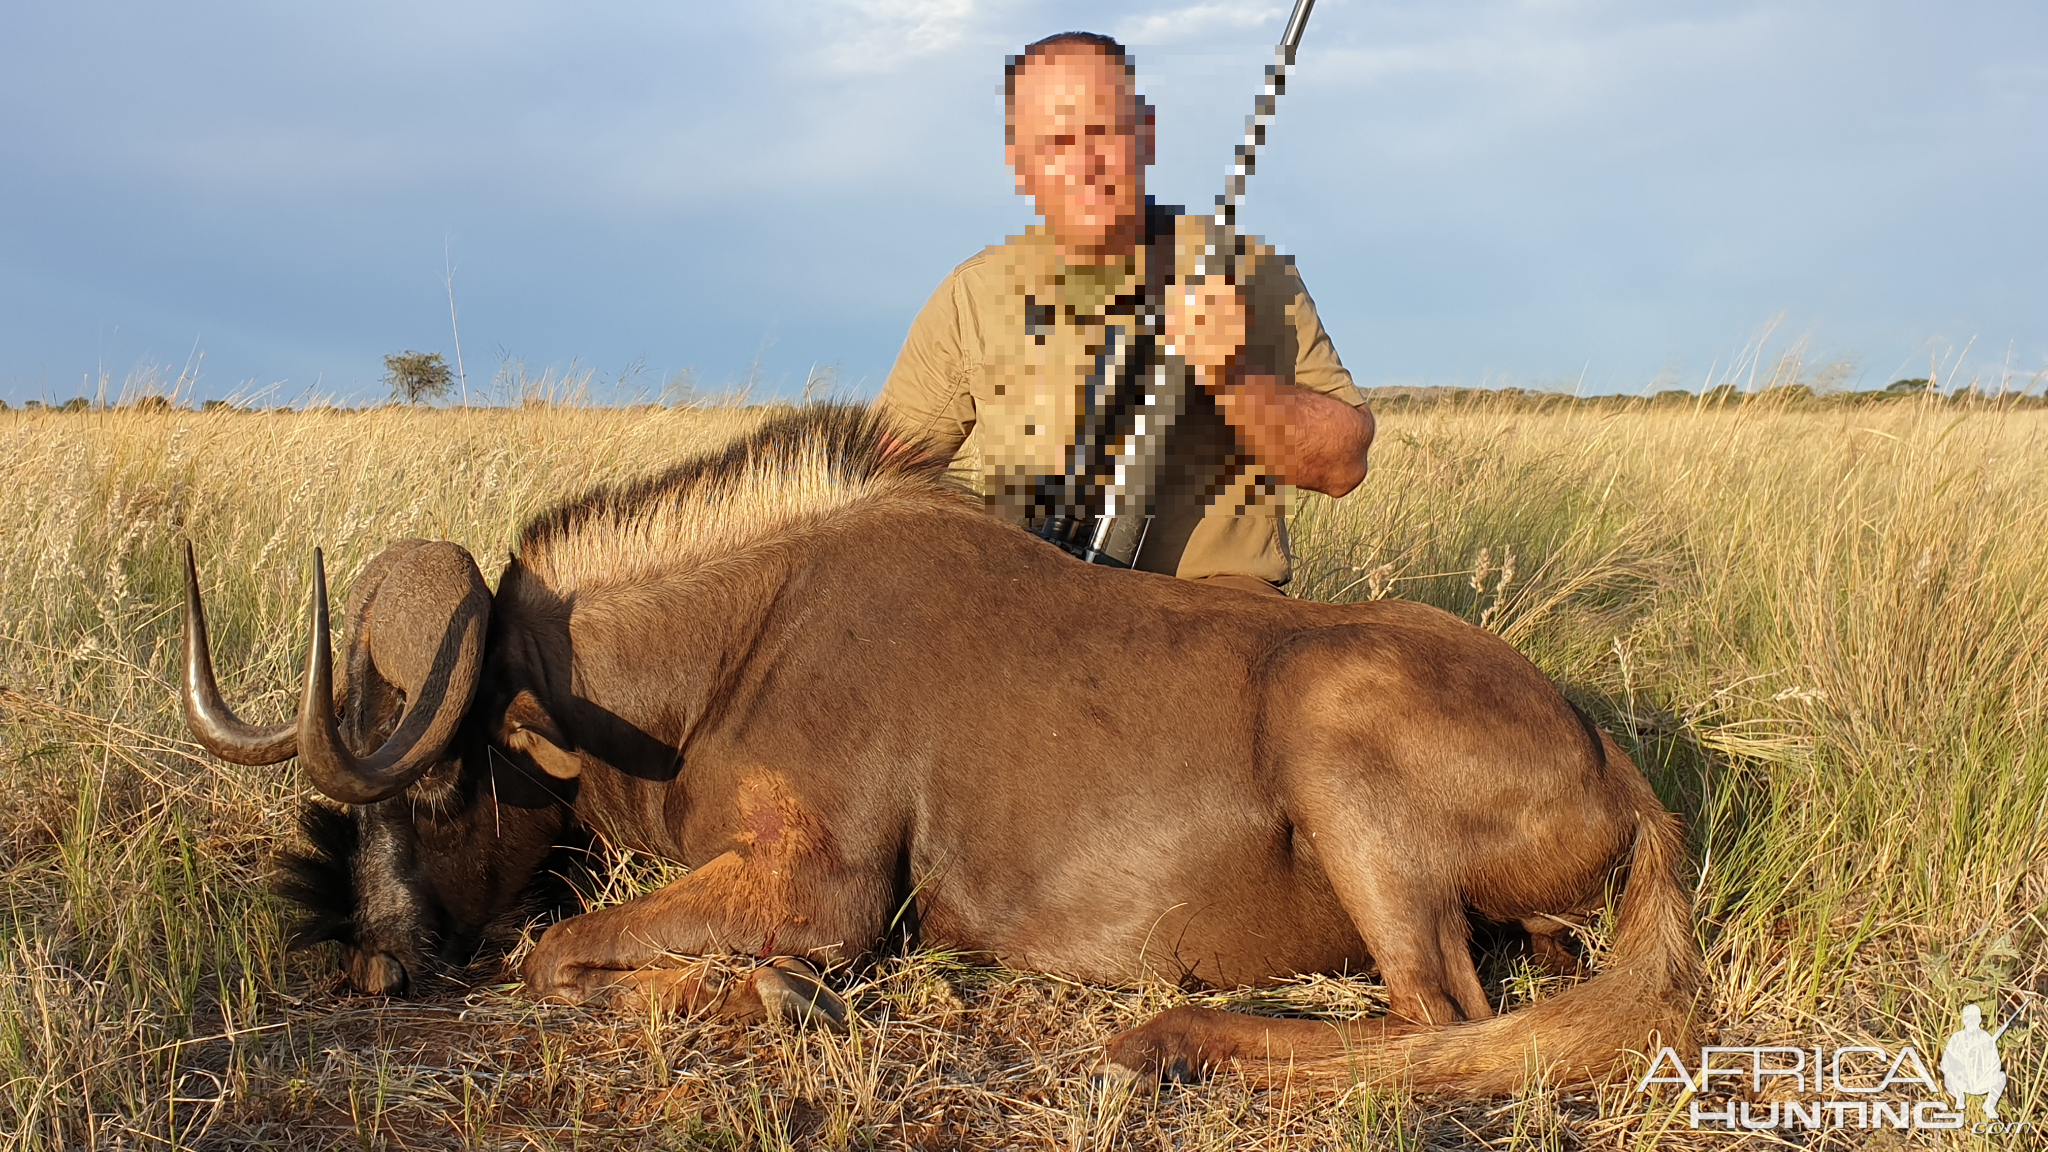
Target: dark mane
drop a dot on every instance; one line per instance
(846, 443)
(318, 878)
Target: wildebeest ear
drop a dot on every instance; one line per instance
(529, 729)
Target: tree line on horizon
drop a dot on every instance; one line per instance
(419, 378)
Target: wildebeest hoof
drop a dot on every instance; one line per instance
(1111, 1078)
(792, 989)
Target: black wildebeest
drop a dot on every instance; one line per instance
(829, 684)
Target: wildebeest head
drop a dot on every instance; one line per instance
(442, 844)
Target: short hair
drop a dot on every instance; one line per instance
(1060, 44)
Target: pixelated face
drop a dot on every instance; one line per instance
(1080, 139)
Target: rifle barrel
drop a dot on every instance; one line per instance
(1295, 24)
(1262, 113)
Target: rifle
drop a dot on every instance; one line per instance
(1100, 507)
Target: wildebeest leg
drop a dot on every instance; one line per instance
(1415, 929)
(1379, 855)
(746, 904)
(784, 988)
(1420, 941)
(784, 891)
(1187, 1044)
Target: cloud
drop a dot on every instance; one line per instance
(884, 35)
(1531, 64)
(1198, 20)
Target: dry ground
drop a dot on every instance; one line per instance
(1824, 633)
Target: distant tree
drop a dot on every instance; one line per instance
(153, 404)
(1905, 387)
(417, 376)
(76, 404)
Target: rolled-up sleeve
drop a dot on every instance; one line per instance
(928, 395)
(1316, 366)
(1286, 336)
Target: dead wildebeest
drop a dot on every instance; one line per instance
(839, 692)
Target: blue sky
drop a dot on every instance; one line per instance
(1598, 194)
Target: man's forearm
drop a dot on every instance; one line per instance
(1310, 440)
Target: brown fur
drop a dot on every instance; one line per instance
(846, 697)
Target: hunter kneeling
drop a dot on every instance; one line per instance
(1000, 352)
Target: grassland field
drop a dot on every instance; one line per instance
(1823, 631)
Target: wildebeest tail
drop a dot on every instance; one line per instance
(1644, 997)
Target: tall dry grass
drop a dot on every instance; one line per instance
(1824, 634)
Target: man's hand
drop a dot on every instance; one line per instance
(1205, 323)
(1307, 439)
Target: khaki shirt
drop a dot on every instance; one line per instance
(997, 391)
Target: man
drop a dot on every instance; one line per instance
(1002, 348)
(1970, 1065)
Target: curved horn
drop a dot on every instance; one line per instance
(212, 722)
(430, 619)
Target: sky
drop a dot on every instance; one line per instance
(261, 200)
